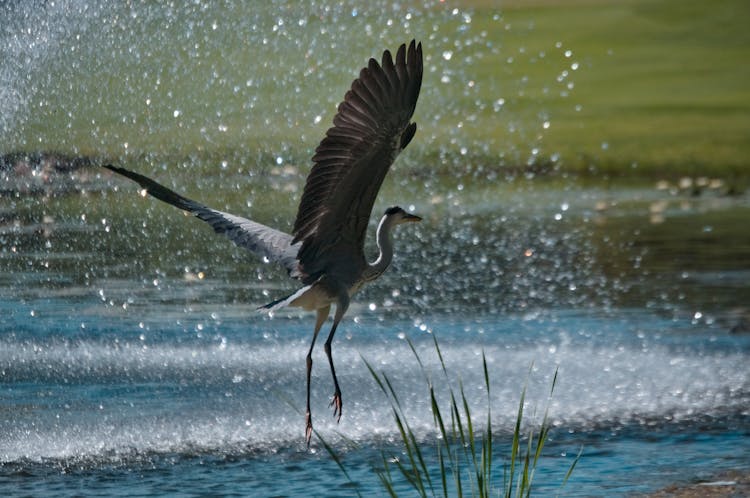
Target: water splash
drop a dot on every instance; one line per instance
(229, 82)
(33, 35)
(117, 399)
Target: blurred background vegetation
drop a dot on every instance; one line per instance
(661, 85)
(637, 88)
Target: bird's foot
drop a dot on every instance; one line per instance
(336, 404)
(308, 428)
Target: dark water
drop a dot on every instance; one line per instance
(132, 361)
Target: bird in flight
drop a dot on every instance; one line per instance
(325, 250)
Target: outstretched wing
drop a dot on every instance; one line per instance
(264, 241)
(371, 127)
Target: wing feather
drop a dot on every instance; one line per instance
(260, 239)
(371, 126)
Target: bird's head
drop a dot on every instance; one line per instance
(395, 215)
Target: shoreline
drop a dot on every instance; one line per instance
(730, 484)
(38, 172)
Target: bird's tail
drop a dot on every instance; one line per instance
(284, 301)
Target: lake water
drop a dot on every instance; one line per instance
(132, 361)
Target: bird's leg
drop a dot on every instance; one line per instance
(336, 402)
(321, 317)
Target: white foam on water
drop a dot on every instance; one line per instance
(113, 401)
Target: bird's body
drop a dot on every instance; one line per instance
(325, 251)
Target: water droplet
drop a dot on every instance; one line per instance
(177, 113)
(447, 54)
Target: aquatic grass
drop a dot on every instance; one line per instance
(526, 477)
(463, 455)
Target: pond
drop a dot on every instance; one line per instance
(133, 359)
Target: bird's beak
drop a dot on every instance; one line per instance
(411, 218)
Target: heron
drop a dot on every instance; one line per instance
(325, 251)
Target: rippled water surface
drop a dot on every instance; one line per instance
(134, 362)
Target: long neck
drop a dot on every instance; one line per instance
(385, 246)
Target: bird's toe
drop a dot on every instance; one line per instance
(308, 428)
(337, 406)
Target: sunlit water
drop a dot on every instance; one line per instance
(135, 375)
(132, 360)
